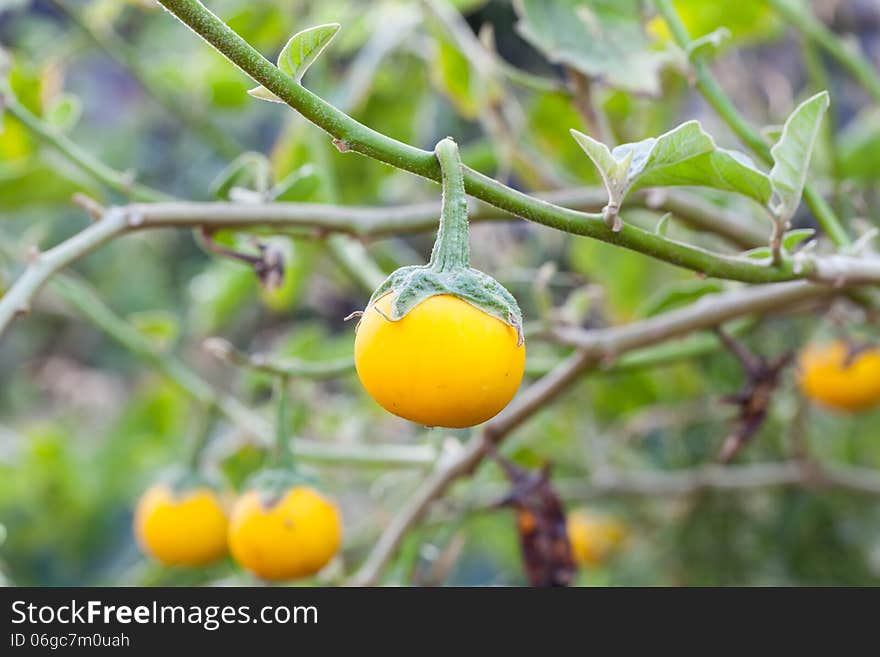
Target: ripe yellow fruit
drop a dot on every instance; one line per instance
(831, 375)
(593, 537)
(446, 363)
(183, 529)
(290, 538)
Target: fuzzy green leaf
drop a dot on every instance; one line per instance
(685, 155)
(298, 54)
(250, 170)
(304, 48)
(791, 154)
(603, 39)
(794, 237)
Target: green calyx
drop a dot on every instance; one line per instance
(449, 270)
(181, 480)
(274, 483)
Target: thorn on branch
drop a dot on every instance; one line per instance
(341, 145)
(753, 399)
(33, 254)
(268, 265)
(94, 209)
(612, 218)
(135, 218)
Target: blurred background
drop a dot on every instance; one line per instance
(86, 423)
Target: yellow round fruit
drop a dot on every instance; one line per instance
(182, 529)
(446, 363)
(832, 376)
(593, 537)
(290, 538)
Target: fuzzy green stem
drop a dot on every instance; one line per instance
(283, 453)
(713, 93)
(200, 441)
(451, 250)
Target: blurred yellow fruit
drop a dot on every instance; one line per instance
(181, 529)
(836, 377)
(593, 537)
(290, 538)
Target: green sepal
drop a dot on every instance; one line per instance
(181, 480)
(273, 484)
(412, 285)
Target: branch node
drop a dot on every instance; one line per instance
(135, 218)
(94, 209)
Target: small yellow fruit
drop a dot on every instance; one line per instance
(830, 375)
(446, 363)
(290, 538)
(593, 537)
(183, 529)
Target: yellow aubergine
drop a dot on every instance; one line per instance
(839, 378)
(181, 529)
(288, 538)
(446, 363)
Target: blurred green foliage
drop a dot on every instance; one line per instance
(85, 426)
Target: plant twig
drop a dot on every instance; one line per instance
(83, 299)
(278, 366)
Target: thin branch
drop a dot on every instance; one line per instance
(679, 483)
(708, 312)
(83, 299)
(276, 365)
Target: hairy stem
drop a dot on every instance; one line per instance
(451, 250)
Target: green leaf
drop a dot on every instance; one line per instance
(304, 48)
(791, 154)
(250, 170)
(858, 145)
(663, 224)
(159, 326)
(264, 94)
(605, 163)
(298, 54)
(794, 237)
(603, 39)
(679, 293)
(299, 185)
(685, 155)
(709, 44)
(452, 74)
(760, 253)
(64, 112)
